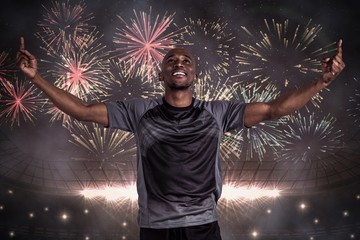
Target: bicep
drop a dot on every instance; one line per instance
(256, 113)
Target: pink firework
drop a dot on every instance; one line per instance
(82, 69)
(58, 115)
(19, 101)
(63, 22)
(143, 43)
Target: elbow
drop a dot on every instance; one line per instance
(273, 115)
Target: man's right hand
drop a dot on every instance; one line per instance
(25, 61)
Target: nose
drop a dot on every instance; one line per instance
(178, 63)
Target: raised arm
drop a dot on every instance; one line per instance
(294, 100)
(65, 101)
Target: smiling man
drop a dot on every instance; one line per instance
(178, 71)
(178, 140)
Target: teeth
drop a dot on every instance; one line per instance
(178, 73)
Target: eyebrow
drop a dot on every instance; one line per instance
(186, 55)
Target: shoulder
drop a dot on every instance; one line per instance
(219, 105)
(136, 104)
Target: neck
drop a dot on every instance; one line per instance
(178, 98)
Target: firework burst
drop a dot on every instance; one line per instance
(307, 139)
(143, 43)
(102, 144)
(266, 137)
(20, 101)
(212, 41)
(82, 70)
(63, 22)
(282, 55)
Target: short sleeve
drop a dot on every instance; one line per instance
(125, 115)
(229, 114)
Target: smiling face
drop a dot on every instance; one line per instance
(178, 70)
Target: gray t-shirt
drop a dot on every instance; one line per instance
(178, 157)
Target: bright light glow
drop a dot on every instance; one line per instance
(302, 205)
(112, 193)
(254, 234)
(64, 217)
(233, 193)
(127, 194)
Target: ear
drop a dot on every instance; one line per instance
(161, 77)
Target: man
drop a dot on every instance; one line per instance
(178, 137)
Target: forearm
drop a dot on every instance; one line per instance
(294, 100)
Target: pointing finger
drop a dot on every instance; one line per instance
(22, 43)
(339, 51)
(27, 54)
